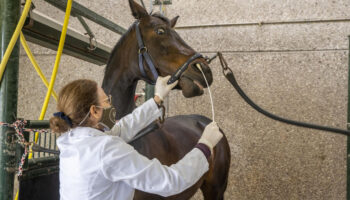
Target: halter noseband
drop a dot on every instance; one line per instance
(143, 54)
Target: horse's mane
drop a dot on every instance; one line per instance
(116, 47)
(121, 40)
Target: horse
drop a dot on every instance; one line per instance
(154, 35)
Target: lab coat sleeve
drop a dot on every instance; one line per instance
(121, 162)
(128, 126)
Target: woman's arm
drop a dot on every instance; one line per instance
(128, 126)
(142, 116)
(121, 162)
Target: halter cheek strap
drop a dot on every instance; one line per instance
(144, 55)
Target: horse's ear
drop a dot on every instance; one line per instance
(173, 21)
(137, 10)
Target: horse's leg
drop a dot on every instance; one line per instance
(215, 183)
(211, 191)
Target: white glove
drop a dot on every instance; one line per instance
(211, 136)
(162, 89)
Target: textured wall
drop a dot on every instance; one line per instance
(296, 70)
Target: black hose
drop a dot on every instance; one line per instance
(230, 77)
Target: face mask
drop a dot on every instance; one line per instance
(108, 118)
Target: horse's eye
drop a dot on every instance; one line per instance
(160, 31)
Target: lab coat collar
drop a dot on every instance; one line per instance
(85, 132)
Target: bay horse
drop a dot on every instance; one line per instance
(179, 134)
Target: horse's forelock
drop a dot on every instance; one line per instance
(161, 17)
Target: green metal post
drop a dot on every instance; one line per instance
(348, 126)
(38, 124)
(9, 16)
(149, 91)
(78, 9)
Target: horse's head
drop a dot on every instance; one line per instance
(169, 52)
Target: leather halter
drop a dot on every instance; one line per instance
(143, 54)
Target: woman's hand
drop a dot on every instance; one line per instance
(211, 136)
(162, 89)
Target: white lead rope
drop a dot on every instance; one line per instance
(211, 98)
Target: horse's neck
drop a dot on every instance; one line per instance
(124, 101)
(122, 74)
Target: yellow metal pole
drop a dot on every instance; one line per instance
(16, 198)
(14, 38)
(55, 69)
(35, 64)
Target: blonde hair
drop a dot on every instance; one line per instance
(75, 100)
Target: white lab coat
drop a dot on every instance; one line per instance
(97, 166)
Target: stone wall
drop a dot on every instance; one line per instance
(291, 57)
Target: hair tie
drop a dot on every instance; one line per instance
(64, 117)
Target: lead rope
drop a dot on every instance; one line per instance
(230, 77)
(29, 147)
(19, 125)
(210, 96)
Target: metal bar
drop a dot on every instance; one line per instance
(50, 142)
(33, 135)
(264, 23)
(39, 143)
(32, 138)
(86, 26)
(38, 124)
(9, 16)
(272, 51)
(165, 2)
(149, 91)
(38, 148)
(43, 162)
(54, 144)
(40, 167)
(348, 126)
(46, 32)
(78, 9)
(45, 136)
(44, 171)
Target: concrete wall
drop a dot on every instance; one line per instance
(295, 67)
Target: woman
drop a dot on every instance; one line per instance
(98, 165)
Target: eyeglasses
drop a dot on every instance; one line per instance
(108, 99)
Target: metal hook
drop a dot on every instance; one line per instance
(209, 59)
(162, 118)
(224, 65)
(92, 46)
